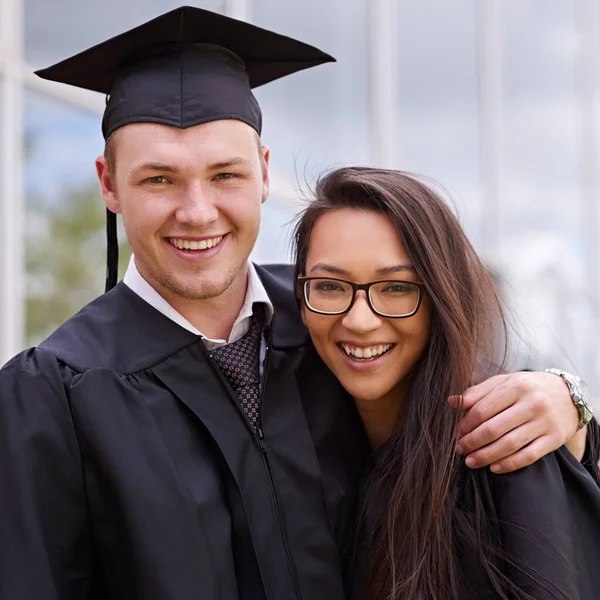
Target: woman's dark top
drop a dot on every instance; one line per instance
(546, 516)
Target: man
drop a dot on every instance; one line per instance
(179, 438)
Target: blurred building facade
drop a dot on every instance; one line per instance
(496, 100)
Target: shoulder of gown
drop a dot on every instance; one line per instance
(548, 518)
(122, 332)
(45, 511)
(118, 331)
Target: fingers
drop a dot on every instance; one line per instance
(492, 405)
(492, 421)
(475, 393)
(526, 456)
(505, 447)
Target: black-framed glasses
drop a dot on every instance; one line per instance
(389, 298)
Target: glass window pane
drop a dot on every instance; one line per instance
(437, 123)
(316, 118)
(543, 212)
(3, 333)
(273, 243)
(55, 30)
(541, 120)
(65, 225)
(319, 116)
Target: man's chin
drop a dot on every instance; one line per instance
(206, 291)
(199, 288)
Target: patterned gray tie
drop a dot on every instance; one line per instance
(239, 364)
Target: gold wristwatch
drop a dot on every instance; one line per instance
(577, 391)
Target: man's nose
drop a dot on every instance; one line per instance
(360, 318)
(197, 207)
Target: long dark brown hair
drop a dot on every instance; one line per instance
(414, 554)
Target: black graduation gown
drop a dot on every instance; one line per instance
(129, 470)
(545, 516)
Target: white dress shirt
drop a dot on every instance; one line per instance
(255, 292)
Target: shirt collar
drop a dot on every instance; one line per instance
(255, 293)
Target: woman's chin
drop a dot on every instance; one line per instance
(365, 396)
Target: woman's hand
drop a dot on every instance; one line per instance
(513, 420)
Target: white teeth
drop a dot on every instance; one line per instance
(194, 244)
(366, 353)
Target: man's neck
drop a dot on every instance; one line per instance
(213, 317)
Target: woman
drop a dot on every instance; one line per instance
(403, 312)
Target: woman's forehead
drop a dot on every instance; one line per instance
(349, 239)
(354, 227)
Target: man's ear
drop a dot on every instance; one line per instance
(107, 186)
(266, 156)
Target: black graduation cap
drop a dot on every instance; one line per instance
(184, 68)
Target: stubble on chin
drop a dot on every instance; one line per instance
(206, 288)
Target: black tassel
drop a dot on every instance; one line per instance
(112, 251)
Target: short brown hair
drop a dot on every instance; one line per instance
(109, 154)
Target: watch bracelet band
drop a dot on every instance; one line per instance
(573, 385)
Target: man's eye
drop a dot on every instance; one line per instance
(226, 176)
(157, 179)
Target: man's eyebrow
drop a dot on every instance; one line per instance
(151, 166)
(216, 166)
(230, 162)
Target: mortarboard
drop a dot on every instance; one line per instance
(184, 68)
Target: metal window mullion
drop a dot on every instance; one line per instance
(383, 81)
(238, 9)
(12, 246)
(489, 53)
(589, 90)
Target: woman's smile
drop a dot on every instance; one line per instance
(369, 353)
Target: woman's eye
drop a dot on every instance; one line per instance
(398, 288)
(329, 287)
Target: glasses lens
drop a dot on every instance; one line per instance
(327, 295)
(394, 298)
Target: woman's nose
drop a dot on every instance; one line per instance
(360, 318)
